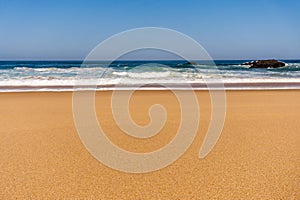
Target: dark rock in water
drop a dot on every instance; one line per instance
(265, 64)
(189, 63)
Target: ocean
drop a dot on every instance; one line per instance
(73, 75)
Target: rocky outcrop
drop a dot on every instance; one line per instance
(265, 64)
(189, 63)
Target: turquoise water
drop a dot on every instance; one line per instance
(63, 75)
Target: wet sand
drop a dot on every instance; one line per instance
(256, 157)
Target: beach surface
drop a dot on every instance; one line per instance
(256, 157)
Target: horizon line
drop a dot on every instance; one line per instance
(4, 60)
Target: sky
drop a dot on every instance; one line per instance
(69, 30)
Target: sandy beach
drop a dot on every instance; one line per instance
(256, 157)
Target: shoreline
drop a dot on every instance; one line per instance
(159, 86)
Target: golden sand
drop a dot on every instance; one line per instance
(256, 157)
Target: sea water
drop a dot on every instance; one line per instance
(100, 75)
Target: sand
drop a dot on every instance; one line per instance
(256, 157)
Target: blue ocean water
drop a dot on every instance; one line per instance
(63, 75)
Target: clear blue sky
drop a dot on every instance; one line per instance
(66, 29)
